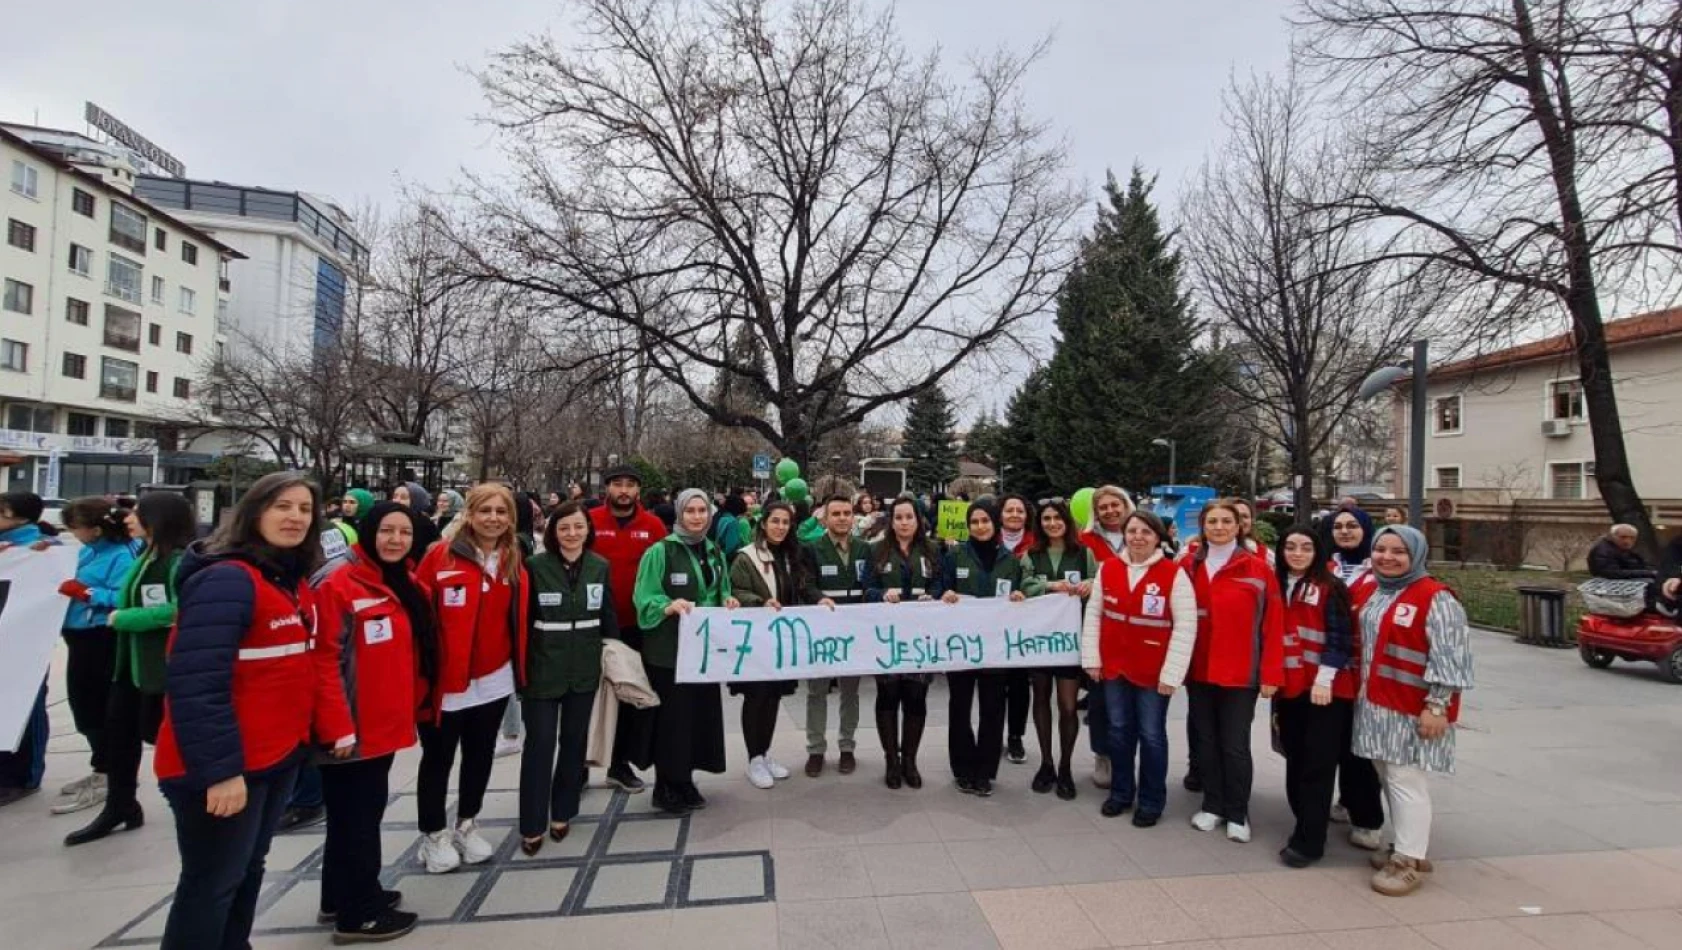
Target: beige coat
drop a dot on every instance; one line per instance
(623, 680)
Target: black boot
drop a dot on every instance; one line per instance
(887, 729)
(908, 751)
(111, 817)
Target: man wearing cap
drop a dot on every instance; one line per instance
(624, 531)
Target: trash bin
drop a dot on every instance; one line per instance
(1542, 616)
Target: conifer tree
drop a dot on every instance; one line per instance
(928, 440)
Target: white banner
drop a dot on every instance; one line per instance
(31, 616)
(716, 645)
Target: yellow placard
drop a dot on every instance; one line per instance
(952, 521)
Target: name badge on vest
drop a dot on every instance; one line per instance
(1155, 605)
(1071, 577)
(1311, 595)
(1405, 614)
(153, 595)
(678, 580)
(858, 569)
(333, 544)
(640, 535)
(549, 598)
(963, 573)
(1001, 589)
(829, 570)
(377, 630)
(593, 596)
(455, 597)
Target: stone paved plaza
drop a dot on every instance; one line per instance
(1562, 830)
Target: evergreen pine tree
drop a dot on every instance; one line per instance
(928, 440)
(1127, 369)
(1020, 461)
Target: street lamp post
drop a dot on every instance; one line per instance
(1382, 380)
(1172, 461)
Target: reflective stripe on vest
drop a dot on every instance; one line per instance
(275, 652)
(918, 591)
(1404, 654)
(549, 626)
(1312, 635)
(1401, 676)
(1139, 621)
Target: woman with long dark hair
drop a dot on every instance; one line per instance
(980, 567)
(1057, 564)
(1315, 707)
(1360, 801)
(163, 524)
(378, 645)
(905, 566)
(242, 697)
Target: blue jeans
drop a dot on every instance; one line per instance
(222, 861)
(26, 767)
(1097, 720)
(1138, 720)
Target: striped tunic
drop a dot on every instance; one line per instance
(1385, 735)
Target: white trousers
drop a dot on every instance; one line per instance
(1407, 792)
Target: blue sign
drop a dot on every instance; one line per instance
(762, 466)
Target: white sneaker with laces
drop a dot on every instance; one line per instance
(88, 796)
(75, 788)
(1206, 821)
(778, 770)
(758, 775)
(1237, 832)
(508, 745)
(1367, 839)
(1101, 771)
(472, 845)
(438, 852)
(1340, 815)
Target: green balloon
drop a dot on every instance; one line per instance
(787, 470)
(795, 490)
(1080, 505)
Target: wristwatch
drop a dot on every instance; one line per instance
(1436, 708)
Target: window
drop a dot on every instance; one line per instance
(189, 300)
(20, 235)
(81, 202)
(117, 379)
(158, 288)
(20, 297)
(1448, 476)
(122, 278)
(184, 343)
(221, 312)
(155, 335)
(160, 239)
(151, 381)
(116, 428)
(76, 311)
(190, 252)
(183, 388)
(1566, 481)
(80, 423)
(128, 228)
(75, 366)
(25, 179)
(81, 260)
(14, 355)
(122, 329)
(1565, 400)
(27, 418)
(1446, 414)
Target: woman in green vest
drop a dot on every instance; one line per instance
(164, 524)
(1057, 565)
(979, 567)
(906, 566)
(571, 613)
(683, 571)
(774, 572)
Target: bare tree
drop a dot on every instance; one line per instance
(1312, 316)
(686, 168)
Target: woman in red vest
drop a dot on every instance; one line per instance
(1416, 659)
(242, 698)
(477, 586)
(1315, 707)
(1136, 640)
(1240, 652)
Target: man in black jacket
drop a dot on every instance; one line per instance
(1614, 557)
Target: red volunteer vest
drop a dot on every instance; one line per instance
(1397, 678)
(1136, 624)
(623, 549)
(273, 679)
(1305, 639)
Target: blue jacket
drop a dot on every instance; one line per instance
(102, 566)
(22, 534)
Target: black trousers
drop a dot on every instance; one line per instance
(1221, 716)
(552, 763)
(1359, 790)
(974, 751)
(131, 719)
(761, 702)
(355, 794)
(1309, 735)
(894, 693)
(474, 731)
(88, 669)
(222, 863)
(1018, 691)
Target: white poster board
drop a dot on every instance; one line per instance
(31, 616)
(716, 645)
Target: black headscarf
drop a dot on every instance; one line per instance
(987, 552)
(397, 577)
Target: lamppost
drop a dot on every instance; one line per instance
(1172, 461)
(1382, 380)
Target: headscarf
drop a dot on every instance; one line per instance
(1419, 552)
(683, 499)
(1361, 551)
(419, 499)
(398, 579)
(987, 552)
(364, 502)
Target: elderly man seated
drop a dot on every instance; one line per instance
(1614, 556)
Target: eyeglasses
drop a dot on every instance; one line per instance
(1057, 500)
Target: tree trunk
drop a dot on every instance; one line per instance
(1302, 464)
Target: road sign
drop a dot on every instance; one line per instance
(762, 466)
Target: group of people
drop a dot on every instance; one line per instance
(251, 654)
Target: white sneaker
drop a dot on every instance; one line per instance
(1206, 821)
(75, 788)
(87, 796)
(1367, 839)
(758, 775)
(472, 845)
(1237, 832)
(1340, 815)
(1101, 771)
(438, 852)
(508, 745)
(778, 770)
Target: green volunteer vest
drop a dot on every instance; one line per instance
(839, 576)
(892, 574)
(971, 580)
(682, 580)
(1072, 561)
(564, 645)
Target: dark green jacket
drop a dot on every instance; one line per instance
(1043, 569)
(670, 572)
(967, 577)
(571, 612)
(144, 615)
(840, 576)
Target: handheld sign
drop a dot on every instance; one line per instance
(952, 521)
